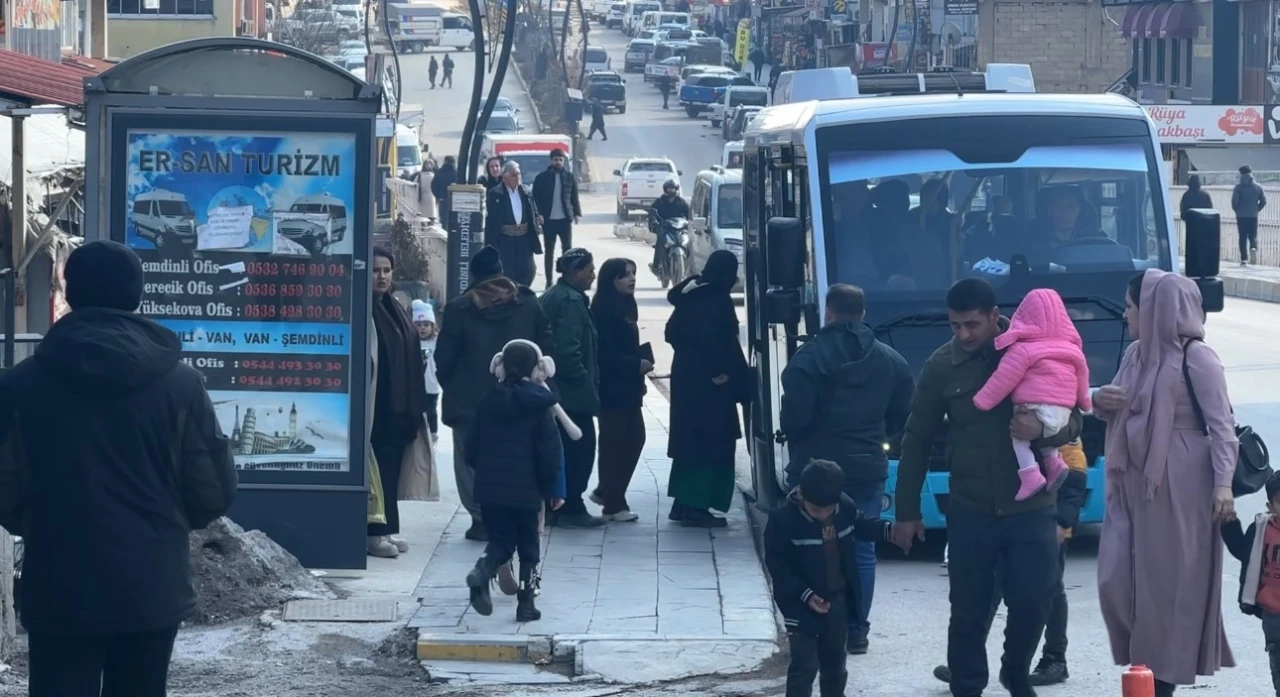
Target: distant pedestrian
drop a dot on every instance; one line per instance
(424, 319)
(1247, 201)
(624, 363)
(1260, 571)
(665, 86)
(433, 69)
(514, 448)
(106, 494)
(757, 62)
(1043, 369)
(844, 395)
(774, 73)
(555, 194)
(1171, 455)
(511, 225)
(444, 177)
(575, 347)
(473, 327)
(398, 433)
(1194, 197)
(709, 379)
(597, 120)
(812, 560)
(448, 71)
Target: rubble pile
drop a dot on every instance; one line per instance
(240, 573)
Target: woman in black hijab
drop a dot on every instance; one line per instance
(709, 379)
(400, 399)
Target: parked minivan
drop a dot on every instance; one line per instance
(408, 153)
(636, 10)
(596, 59)
(716, 206)
(312, 234)
(164, 218)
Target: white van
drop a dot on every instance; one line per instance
(636, 11)
(815, 83)
(310, 234)
(595, 59)
(408, 152)
(716, 205)
(653, 20)
(456, 31)
(732, 158)
(165, 218)
(736, 96)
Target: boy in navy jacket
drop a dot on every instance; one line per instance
(809, 551)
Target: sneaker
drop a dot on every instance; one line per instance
(380, 546)
(1253, 255)
(1049, 672)
(1244, 262)
(402, 545)
(942, 674)
(579, 520)
(622, 516)
(1032, 483)
(476, 532)
(858, 647)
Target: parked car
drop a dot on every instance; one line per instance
(734, 124)
(617, 12)
(637, 55)
(716, 206)
(596, 59)
(502, 122)
(504, 106)
(609, 89)
(640, 181)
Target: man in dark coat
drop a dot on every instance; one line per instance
(665, 86)
(433, 69)
(473, 328)
(757, 62)
(444, 177)
(555, 193)
(597, 120)
(448, 71)
(106, 494)
(1247, 201)
(511, 225)
(844, 392)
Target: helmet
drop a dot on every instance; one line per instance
(671, 184)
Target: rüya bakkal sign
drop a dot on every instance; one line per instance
(245, 241)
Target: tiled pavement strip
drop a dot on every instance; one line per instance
(603, 590)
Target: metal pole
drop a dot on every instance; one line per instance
(17, 233)
(466, 175)
(499, 75)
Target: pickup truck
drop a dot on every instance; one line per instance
(600, 9)
(617, 13)
(657, 65)
(415, 27)
(306, 27)
(699, 92)
(640, 182)
(608, 89)
(637, 55)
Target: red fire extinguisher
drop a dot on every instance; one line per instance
(1138, 681)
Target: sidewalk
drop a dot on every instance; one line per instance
(630, 602)
(1251, 282)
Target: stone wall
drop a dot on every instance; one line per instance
(1071, 45)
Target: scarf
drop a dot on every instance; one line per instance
(400, 352)
(1169, 315)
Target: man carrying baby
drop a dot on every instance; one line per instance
(985, 521)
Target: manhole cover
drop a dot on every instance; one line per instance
(340, 611)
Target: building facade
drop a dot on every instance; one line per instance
(137, 26)
(1071, 45)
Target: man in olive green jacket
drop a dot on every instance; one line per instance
(577, 378)
(984, 522)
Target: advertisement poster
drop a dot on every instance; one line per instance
(243, 239)
(1181, 124)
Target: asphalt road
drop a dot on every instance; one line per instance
(911, 610)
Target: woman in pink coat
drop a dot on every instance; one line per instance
(1043, 368)
(1168, 489)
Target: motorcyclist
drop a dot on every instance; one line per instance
(669, 205)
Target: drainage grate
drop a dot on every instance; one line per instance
(355, 610)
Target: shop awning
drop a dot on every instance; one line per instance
(1160, 20)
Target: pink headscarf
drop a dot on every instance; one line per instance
(1169, 315)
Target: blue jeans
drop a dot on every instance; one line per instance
(869, 498)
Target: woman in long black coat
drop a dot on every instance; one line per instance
(709, 379)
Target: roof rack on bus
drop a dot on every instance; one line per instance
(999, 77)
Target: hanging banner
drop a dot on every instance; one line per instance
(742, 47)
(246, 241)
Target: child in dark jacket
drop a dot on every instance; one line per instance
(809, 551)
(514, 448)
(1258, 550)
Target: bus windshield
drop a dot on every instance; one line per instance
(907, 221)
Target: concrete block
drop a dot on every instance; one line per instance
(472, 647)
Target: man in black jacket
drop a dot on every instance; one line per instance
(843, 394)
(809, 552)
(669, 205)
(105, 494)
(555, 195)
(473, 327)
(444, 177)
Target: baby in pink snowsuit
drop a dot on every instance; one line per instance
(1044, 369)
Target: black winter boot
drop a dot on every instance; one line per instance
(478, 582)
(1165, 689)
(526, 611)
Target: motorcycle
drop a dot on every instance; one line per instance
(674, 233)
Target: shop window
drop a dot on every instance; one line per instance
(1146, 60)
(1160, 59)
(1136, 56)
(1186, 52)
(1175, 62)
(171, 8)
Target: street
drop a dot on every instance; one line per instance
(908, 635)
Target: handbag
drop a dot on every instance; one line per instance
(1253, 463)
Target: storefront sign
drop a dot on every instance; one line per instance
(960, 8)
(246, 240)
(743, 44)
(1271, 129)
(1205, 123)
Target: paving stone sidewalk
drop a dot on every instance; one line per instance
(650, 579)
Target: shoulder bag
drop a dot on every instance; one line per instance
(1253, 464)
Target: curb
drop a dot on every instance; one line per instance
(533, 103)
(498, 648)
(1251, 288)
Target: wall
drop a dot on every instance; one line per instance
(1070, 45)
(129, 36)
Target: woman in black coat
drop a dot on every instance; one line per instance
(709, 379)
(622, 388)
(1194, 197)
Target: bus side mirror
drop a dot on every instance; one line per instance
(1203, 232)
(786, 250)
